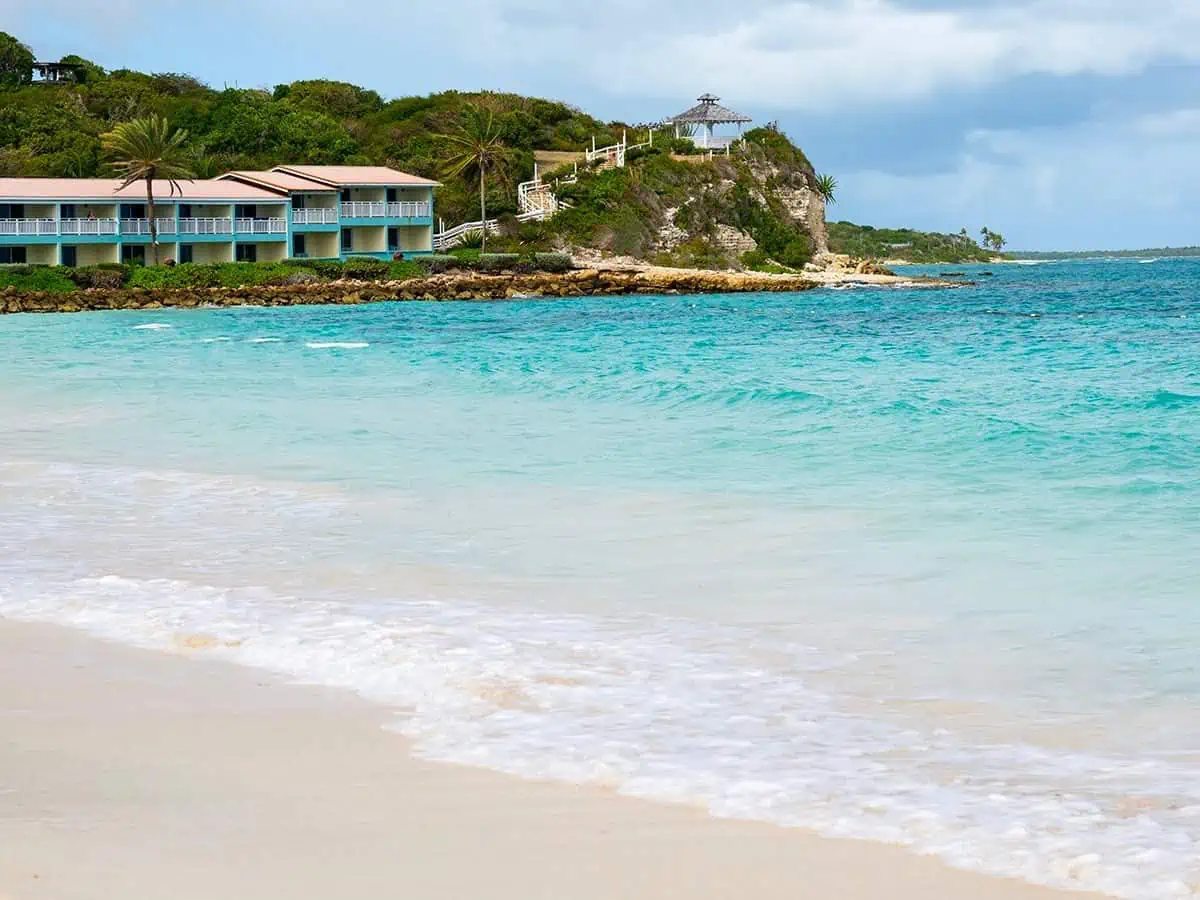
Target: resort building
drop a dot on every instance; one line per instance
(329, 212)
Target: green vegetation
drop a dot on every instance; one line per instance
(188, 276)
(992, 239)
(147, 150)
(827, 187)
(16, 62)
(906, 244)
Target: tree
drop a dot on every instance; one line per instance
(827, 187)
(146, 149)
(478, 148)
(16, 62)
(992, 239)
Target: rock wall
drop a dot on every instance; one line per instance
(450, 286)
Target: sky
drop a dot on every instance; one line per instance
(1062, 124)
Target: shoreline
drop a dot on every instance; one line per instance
(132, 774)
(456, 286)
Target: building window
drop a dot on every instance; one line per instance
(185, 210)
(69, 256)
(298, 245)
(133, 210)
(391, 195)
(347, 239)
(298, 201)
(133, 253)
(247, 253)
(12, 210)
(346, 195)
(185, 253)
(12, 254)
(247, 212)
(67, 211)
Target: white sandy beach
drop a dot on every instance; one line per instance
(132, 775)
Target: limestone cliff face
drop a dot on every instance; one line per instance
(795, 189)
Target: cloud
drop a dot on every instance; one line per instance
(1100, 184)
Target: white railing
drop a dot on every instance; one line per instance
(88, 226)
(408, 209)
(206, 226)
(28, 226)
(314, 216)
(363, 209)
(162, 224)
(261, 226)
(454, 236)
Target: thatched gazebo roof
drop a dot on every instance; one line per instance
(708, 112)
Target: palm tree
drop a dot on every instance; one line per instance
(146, 149)
(827, 186)
(478, 148)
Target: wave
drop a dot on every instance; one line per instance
(1165, 399)
(336, 345)
(724, 726)
(152, 326)
(263, 340)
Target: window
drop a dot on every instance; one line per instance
(133, 253)
(298, 201)
(133, 210)
(247, 212)
(185, 210)
(298, 245)
(185, 253)
(12, 210)
(12, 254)
(346, 195)
(68, 211)
(68, 255)
(391, 195)
(393, 238)
(347, 239)
(247, 253)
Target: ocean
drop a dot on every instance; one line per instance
(913, 566)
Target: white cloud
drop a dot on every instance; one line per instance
(1101, 184)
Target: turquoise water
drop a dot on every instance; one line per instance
(912, 566)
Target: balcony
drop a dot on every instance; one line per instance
(162, 224)
(206, 226)
(361, 209)
(28, 226)
(98, 227)
(409, 209)
(314, 216)
(262, 226)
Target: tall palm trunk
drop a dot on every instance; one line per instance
(482, 210)
(150, 216)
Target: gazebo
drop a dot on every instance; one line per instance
(704, 116)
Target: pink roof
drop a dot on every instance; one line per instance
(278, 180)
(109, 189)
(344, 176)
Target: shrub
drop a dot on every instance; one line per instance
(364, 268)
(104, 275)
(472, 240)
(400, 269)
(51, 279)
(494, 262)
(553, 262)
(436, 263)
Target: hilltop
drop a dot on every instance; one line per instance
(757, 208)
(906, 244)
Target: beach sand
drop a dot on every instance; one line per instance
(133, 775)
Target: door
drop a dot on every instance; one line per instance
(391, 195)
(133, 253)
(247, 253)
(298, 245)
(347, 239)
(393, 239)
(69, 255)
(185, 253)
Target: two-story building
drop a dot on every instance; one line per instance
(327, 212)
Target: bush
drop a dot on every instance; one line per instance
(472, 240)
(494, 262)
(364, 268)
(436, 263)
(104, 275)
(51, 279)
(553, 262)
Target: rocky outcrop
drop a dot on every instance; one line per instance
(449, 286)
(846, 264)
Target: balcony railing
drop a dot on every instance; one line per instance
(363, 209)
(28, 226)
(206, 226)
(88, 226)
(408, 209)
(164, 225)
(314, 216)
(262, 226)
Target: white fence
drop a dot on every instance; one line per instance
(409, 209)
(314, 216)
(206, 226)
(261, 226)
(163, 225)
(364, 209)
(28, 226)
(88, 226)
